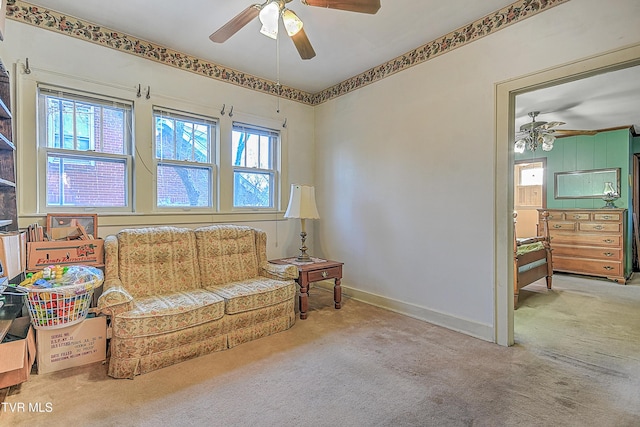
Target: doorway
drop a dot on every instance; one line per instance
(506, 93)
(530, 194)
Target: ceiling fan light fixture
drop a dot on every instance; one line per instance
(537, 134)
(292, 23)
(269, 17)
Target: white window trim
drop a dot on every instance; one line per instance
(278, 161)
(141, 212)
(212, 165)
(44, 151)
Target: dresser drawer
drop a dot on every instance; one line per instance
(582, 266)
(606, 216)
(613, 227)
(577, 216)
(614, 254)
(562, 225)
(553, 215)
(327, 273)
(614, 241)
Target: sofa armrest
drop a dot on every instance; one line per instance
(279, 271)
(115, 299)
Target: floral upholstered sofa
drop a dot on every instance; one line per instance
(177, 293)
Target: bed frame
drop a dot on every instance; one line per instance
(532, 265)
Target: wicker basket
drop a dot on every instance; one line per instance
(64, 303)
(51, 309)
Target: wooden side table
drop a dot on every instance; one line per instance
(316, 271)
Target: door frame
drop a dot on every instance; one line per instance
(505, 93)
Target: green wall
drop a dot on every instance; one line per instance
(636, 144)
(604, 150)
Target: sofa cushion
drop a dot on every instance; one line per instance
(226, 253)
(161, 314)
(157, 260)
(251, 294)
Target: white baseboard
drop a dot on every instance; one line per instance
(468, 327)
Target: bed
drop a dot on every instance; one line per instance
(532, 258)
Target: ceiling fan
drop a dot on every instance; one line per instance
(536, 134)
(271, 11)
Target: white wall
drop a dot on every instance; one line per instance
(80, 63)
(406, 166)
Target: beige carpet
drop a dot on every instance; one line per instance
(577, 363)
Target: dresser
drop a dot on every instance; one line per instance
(588, 241)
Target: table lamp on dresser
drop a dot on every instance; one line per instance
(302, 204)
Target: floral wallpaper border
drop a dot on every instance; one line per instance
(48, 19)
(482, 27)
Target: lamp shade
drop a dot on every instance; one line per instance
(302, 203)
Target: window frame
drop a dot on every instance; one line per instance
(275, 148)
(212, 154)
(44, 152)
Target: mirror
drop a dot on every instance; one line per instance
(587, 184)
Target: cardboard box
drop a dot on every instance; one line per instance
(75, 345)
(13, 253)
(65, 252)
(17, 357)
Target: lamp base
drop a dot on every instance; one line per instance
(303, 257)
(610, 201)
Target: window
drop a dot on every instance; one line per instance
(254, 166)
(87, 145)
(531, 176)
(185, 163)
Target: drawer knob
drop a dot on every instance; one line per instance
(598, 227)
(557, 226)
(608, 240)
(607, 267)
(606, 217)
(325, 274)
(608, 254)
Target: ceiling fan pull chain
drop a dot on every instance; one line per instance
(278, 73)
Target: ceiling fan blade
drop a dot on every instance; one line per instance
(303, 45)
(234, 25)
(559, 133)
(361, 6)
(531, 125)
(551, 125)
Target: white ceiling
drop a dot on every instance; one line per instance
(346, 44)
(603, 101)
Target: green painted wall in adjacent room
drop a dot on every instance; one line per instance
(636, 144)
(604, 150)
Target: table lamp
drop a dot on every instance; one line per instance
(302, 204)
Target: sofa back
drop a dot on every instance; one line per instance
(227, 253)
(157, 260)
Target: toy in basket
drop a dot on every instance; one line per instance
(59, 296)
